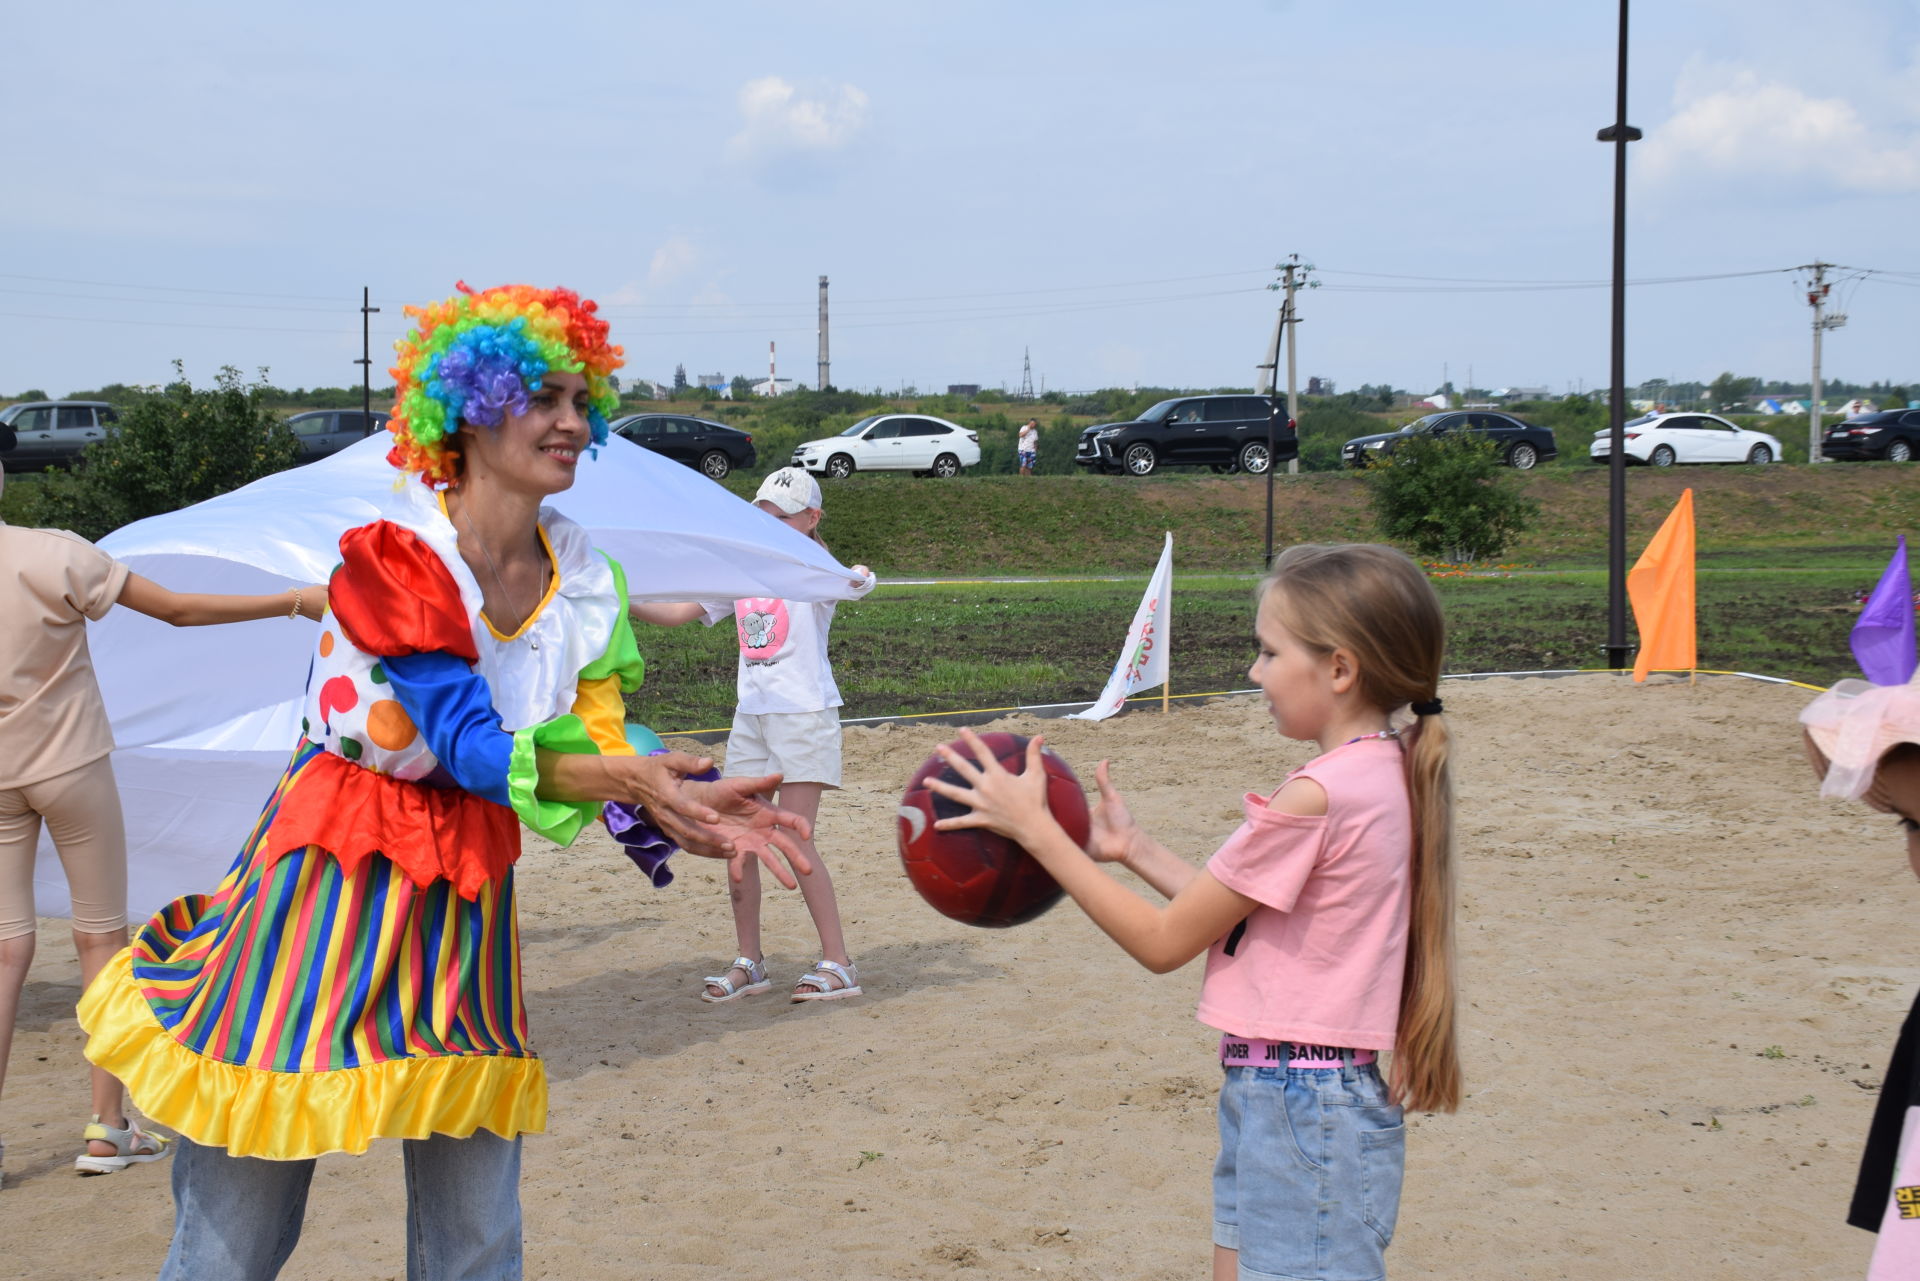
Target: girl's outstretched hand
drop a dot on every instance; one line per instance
(1113, 826)
(1009, 804)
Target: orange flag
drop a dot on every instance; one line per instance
(1661, 589)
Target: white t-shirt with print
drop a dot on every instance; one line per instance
(783, 652)
(1029, 439)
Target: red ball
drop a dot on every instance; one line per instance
(973, 875)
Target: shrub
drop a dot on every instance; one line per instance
(175, 446)
(1450, 498)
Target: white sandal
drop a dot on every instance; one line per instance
(757, 981)
(132, 1146)
(828, 981)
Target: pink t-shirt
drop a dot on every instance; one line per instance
(1321, 960)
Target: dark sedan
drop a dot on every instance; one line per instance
(713, 448)
(1521, 444)
(1892, 434)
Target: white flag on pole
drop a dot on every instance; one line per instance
(1143, 660)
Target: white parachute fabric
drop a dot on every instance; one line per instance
(206, 717)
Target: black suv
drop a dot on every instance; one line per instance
(1521, 444)
(1227, 433)
(713, 448)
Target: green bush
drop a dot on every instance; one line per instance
(1449, 498)
(173, 447)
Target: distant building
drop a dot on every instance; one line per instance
(1523, 393)
(774, 386)
(1317, 386)
(966, 390)
(1858, 406)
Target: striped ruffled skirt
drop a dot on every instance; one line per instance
(301, 1009)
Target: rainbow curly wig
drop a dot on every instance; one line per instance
(477, 357)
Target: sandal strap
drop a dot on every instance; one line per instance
(752, 969)
(824, 971)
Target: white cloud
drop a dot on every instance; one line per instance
(671, 261)
(1767, 130)
(783, 125)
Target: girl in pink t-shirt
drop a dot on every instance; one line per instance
(1327, 917)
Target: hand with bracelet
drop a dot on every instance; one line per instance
(199, 609)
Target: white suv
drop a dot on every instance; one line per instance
(918, 443)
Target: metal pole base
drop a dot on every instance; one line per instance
(1620, 657)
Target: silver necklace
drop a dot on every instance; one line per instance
(532, 640)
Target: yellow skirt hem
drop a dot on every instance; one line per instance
(290, 1116)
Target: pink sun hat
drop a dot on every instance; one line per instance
(1854, 724)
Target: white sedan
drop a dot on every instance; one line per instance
(918, 443)
(1665, 439)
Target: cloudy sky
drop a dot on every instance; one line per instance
(1106, 184)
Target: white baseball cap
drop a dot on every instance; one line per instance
(790, 489)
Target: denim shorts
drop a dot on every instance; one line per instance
(1307, 1185)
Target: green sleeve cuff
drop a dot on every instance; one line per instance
(623, 651)
(558, 821)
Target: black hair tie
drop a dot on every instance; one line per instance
(1432, 707)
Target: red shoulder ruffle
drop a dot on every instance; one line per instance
(392, 595)
(430, 833)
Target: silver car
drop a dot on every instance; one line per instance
(51, 433)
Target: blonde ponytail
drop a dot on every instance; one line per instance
(1426, 1056)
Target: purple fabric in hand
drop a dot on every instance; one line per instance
(645, 844)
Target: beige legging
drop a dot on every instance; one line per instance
(81, 809)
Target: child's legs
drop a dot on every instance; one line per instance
(235, 1218)
(748, 756)
(19, 833)
(82, 810)
(816, 887)
(463, 1208)
(1308, 1179)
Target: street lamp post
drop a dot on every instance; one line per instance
(1619, 133)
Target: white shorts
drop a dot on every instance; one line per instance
(804, 747)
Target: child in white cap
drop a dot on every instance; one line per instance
(1864, 742)
(787, 722)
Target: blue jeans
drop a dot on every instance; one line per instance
(1307, 1185)
(237, 1218)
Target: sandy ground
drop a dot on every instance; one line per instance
(1682, 975)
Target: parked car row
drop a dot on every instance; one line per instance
(1226, 433)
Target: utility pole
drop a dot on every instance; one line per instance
(1618, 135)
(1817, 290)
(1296, 275)
(821, 383)
(366, 363)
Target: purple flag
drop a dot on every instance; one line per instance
(1883, 638)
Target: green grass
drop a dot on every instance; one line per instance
(956, 648)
